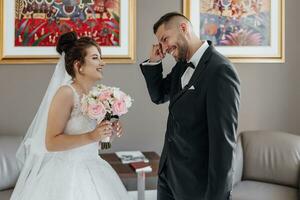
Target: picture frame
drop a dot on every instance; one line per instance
(245, 31)
(24, 44)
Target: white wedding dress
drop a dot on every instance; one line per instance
(76, 174)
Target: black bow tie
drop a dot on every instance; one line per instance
(190, 64)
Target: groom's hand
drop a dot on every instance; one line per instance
(156, 54)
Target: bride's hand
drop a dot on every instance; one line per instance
(117, 128)
(103, 130)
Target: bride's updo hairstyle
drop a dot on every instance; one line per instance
(75, 49)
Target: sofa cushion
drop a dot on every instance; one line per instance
(272, 157)
(9, 171)
(5, 194)
(252, 190)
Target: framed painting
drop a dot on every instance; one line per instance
(29, 29)
(243, 30)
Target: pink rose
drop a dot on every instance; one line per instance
(122, 96)
(96, 111)
(105, 94)
(119, 108)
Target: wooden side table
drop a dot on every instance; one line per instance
(129, 176)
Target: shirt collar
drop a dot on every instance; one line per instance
(199, 53)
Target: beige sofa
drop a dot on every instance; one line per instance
(9, 171)
(267, 166)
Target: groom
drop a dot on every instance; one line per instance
(203, 93)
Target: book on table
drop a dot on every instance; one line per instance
(127, 157)
(141, 167)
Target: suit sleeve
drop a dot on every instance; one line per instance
(223, 98)
(158, 87)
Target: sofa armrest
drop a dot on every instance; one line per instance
(238, 161)
(9, 170)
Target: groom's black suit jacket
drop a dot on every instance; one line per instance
(200, 139)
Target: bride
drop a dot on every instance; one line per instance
(59, 155)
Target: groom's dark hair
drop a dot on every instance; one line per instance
(165, 19)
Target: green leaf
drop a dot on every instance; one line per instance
(115, 34)
(21, 28)
(117, 18)
(40, 39)
(25, 41)
(33, 32)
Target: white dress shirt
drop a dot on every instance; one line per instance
(195, 60)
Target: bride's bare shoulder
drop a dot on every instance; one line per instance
(64, 93)
(66, 90)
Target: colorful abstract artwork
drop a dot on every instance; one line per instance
(243, 30)
(41, 22)
(29, 29)
(236, 22)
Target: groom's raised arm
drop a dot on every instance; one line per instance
(158, 87)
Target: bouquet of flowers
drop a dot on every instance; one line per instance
(105, 103)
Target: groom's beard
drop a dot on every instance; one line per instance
(182, 45)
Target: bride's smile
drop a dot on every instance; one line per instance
(93, 64)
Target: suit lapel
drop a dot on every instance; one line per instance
(199, 69)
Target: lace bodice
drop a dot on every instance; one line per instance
(78, 123)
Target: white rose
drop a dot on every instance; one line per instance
(128, 101)
(118, 93)
(95, 92)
